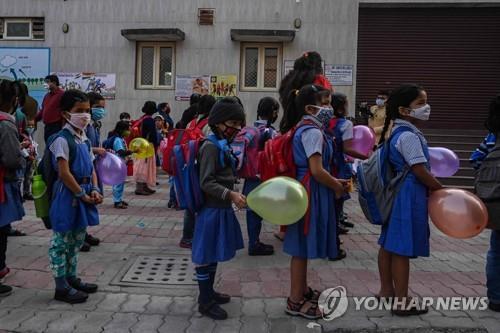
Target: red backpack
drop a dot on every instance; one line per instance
(277, 158)
(197, 126)
(136, 128)
(246, 148)
(175, 138)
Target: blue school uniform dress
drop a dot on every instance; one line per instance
(67, 212)
(217, 234)
(407, 232)
(319, 238)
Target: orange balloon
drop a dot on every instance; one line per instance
(457, 213)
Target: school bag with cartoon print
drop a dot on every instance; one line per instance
(379, 183)
(487, 185)
(246, 149)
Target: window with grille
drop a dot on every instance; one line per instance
(22, 28)
(260, 66)
(155, 65)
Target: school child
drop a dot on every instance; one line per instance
(342, 130)
(145, 169)
(76, 194)
(406, 235)
(217, 234)
(493, 257)
(199, 123)
(118, 145)
(11, 207)
(93, 132)
(314, 236)
(161, 132)
(267, 114)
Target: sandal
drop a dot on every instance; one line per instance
(16, 233)
(278, 236)
(312, 295)
(408, 311)
(306, 309)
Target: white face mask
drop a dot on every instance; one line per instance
(380, 102)
(422, 113)
(79, 120)
(46, 86)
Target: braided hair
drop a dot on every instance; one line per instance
(401, 96)
(493, 121)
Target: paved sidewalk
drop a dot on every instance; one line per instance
(258, 285)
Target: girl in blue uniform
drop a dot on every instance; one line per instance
(11, 207)
(267, 114)
(217, 233)
(76, 194)
(315, 235)
(406, 235)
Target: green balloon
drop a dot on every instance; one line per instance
(280, 201)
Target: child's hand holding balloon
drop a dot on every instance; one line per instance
(238, 199)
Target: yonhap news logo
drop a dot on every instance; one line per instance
(333, 303)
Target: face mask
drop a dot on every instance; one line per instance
(46, 86)
(422, 113)
(325, 115)
(79, 120)
(98, 113)
(380, 102)
(126, 134)
(318, 109)
(231, 132)
(30, 130)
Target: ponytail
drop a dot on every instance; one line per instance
(307, 95)
(400, 97)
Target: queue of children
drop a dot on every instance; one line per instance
(321, 137)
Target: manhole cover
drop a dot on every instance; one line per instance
(164, 270)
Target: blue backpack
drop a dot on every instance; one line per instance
(186, 174)
(378, 182)
(109, 142)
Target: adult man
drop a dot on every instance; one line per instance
(51, 110)
(376, 121)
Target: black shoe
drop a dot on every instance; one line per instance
(15, 233)
(70, 296)
(342, 254)
(347, 224)
(91, 240)
(341, 230)
(220, 298)
(494, 307)
(28, 196)
(85, 247)
(88, 288)
(212, 310)
(261, 249)
(142, 192)
(148, 190)
(172, 204)
(5, 290)
(125, 203)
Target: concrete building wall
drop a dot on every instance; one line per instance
(94, 42)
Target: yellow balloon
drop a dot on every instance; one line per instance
(141, 148)
(280, 201)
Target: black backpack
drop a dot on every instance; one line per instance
(487, 185)
(46, 168)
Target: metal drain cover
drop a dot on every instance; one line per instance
(161, 270)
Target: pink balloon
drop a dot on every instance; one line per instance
(363, 140)
(444, 162)
(111, 169)
(457, 213)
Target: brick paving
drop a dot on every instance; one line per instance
(258, 285)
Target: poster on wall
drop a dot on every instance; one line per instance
(223, 85)
(29, 65)
(186, 85)
(339, 75)
(101, 83)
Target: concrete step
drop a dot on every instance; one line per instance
(465, 171)
(463, 154)
(457, 181)
(455, 145)
(460, 132)
(477, 139)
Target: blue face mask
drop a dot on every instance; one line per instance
(98, 113)
(30, 130)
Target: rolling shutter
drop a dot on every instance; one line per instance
(453, 52)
